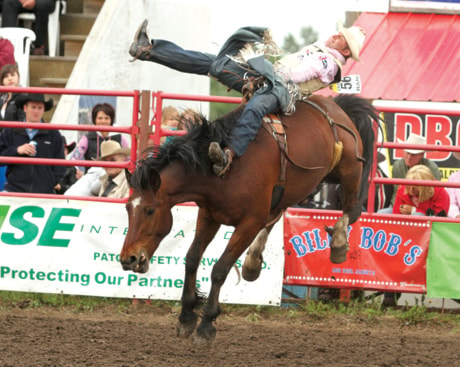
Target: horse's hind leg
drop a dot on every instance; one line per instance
(350, 181)
(206, 229)
(339, 240)
(253, 263)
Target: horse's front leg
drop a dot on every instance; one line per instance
(240, 240)
(206, 229)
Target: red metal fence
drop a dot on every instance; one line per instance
(144, 128)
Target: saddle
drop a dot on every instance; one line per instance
(274, 126)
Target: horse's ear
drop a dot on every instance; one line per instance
(154, 180)
(128, 177)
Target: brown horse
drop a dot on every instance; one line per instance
(180, 171)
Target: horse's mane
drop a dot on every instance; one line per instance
(190, 149)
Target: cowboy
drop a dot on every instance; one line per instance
(36, 143)
(114, 183)
(305, 71)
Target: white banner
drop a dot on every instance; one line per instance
(72, 247)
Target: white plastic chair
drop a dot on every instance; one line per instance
(54, 29)
(21, 38)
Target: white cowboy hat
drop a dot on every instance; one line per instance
(112, 147)
(414, 139)
(355, 39)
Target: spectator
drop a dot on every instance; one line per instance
(41, 8)
(454, 193)
(421, 200)
(169, 120)
(88, 185)
(6, 52)
(417, 200)
(188, 117)
(89, 146)
(70, 176)
(38, 143)
(9, 76)
(411, 158)
(114, 183)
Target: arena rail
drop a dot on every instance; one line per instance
(132, 130)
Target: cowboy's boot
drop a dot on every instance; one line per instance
(222, 159)
(140, 48)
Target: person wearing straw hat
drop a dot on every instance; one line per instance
(242, 57)
(32, 143)
(114, 183)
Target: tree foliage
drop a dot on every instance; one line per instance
(308, 36)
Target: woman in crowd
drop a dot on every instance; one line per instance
(421, 200)
(9, 77)
(89, 146)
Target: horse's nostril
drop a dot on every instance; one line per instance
(129, 260)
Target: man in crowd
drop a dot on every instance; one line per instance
(114, 183)
(33, 143)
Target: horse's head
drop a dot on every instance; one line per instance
(149, 219)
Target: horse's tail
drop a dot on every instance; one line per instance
(361, 112)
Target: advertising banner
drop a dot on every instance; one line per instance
(443, 263)
(383, 255)
(443, 130)
(72, 247)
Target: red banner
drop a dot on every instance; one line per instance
(385, 254)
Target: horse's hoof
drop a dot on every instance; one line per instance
(204, 338)
(339, 254)
(251, 274)
(185, 329)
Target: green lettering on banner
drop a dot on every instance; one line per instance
(54, 224)
(3, 212)
(29, 229)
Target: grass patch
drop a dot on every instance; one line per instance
(9, 299)
(307, 312)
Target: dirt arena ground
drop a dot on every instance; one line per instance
(144, 335)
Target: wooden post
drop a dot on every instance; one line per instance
(144, 122)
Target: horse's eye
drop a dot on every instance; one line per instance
(149, 211)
